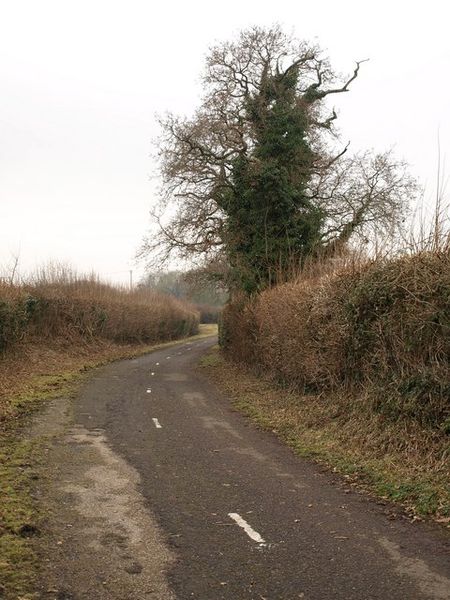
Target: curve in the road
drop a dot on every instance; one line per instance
(245, 518)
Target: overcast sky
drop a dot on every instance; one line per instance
(81, 82)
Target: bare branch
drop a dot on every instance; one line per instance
(313, 93)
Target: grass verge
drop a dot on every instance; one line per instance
(396, 461)
(28, 380)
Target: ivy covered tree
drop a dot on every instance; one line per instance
(270, 218)
(253, 174)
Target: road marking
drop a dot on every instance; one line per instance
(152, 373)
(157, 364)
(157, 424)
(254, 535)
(167, 357)
(149, 391)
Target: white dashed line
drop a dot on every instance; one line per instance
(254, 535)
(152, 374)
(149, 391)
(157, 364)
(157, 424)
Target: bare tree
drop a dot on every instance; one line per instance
(363, 195)
(243, 81)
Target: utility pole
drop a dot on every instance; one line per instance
(131, 279)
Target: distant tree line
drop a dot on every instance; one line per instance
(192, 286)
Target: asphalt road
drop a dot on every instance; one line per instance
(244, 517)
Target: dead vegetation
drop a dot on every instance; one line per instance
(54, 328)
(87, 308)
(363, 349)
(58, 321)
(396, 460)
(383, 325)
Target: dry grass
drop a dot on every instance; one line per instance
(397, 460)
(89, 309)
(62, 305)
(38, 372)
(384, 327)
(363, 350)
(58, 321)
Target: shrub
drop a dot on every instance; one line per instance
(86, 309)
(384, 326)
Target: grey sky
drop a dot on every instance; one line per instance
(81, 81)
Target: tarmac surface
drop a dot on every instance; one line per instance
(162, 491)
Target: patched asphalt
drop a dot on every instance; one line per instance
(295, 530)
